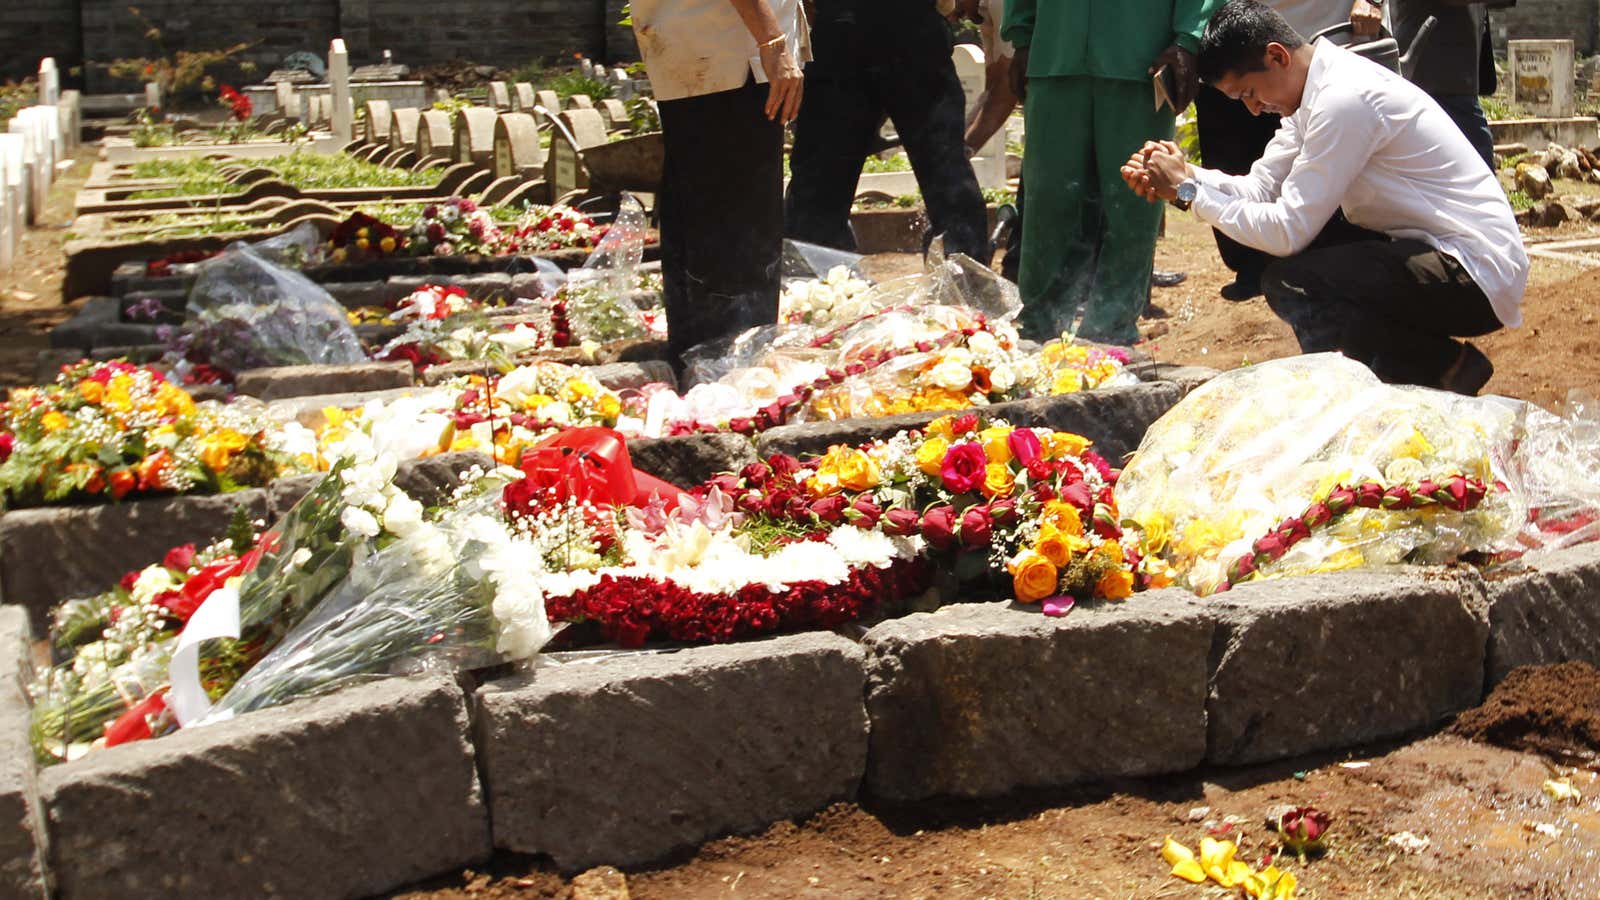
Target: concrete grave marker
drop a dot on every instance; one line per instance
(522, 97)
(441, 96)
(548, 99)
(341, 110)
(1541, 76)
(564, 170)
(152, 95)
(49, 82)
(614, 114)
(516, 145)
(623, 84)
(474, 127)
(403, 127)
(288, 99)
(580, 101)
(379, 120)
(13, 174)
(499, 96)
(434, 137)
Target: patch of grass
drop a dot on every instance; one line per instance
(575, 82)
(1519, 201)
(896, 163)
(307, 171)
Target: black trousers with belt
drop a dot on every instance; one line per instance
(872, 58)
(1231, 140)
(1396, 305)
(721, 215)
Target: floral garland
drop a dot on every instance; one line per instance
(1457, 493)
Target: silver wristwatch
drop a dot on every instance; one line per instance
(1186, 193)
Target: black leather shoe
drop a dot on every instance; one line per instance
(1240, 290)
(1159, 278)
(1471, 371)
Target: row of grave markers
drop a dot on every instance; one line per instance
(36, 141)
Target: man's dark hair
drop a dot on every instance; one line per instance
(1236, 39)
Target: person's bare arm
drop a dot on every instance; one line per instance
(784, 80)
(994, 107)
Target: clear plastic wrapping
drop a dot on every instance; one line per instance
(1257, 446)
(246, 311)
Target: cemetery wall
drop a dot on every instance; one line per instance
(496, 32)
(1534, 19)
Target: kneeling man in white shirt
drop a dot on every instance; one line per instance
(1427, 249)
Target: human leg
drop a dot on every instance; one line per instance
(1059, 223)
(1396, 306)
(1123, 122)
(918, 87)
(720, 280)
(1231, 140)
(838, 120)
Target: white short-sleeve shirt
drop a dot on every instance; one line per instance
(696, 47)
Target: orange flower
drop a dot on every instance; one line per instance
(1061, 444)
(1033, 578)
(122, 481)
(92, 391)
(997, 480)
(1117, 584)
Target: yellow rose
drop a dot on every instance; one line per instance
(858, 472)
(1058, 546)
(92, 391)
(218, 448)
(1033, 578)
(1064, 516)
(1066, 381)
(995, 445)
(578, 389)
(1117, 584)
(942, 427)
(1157, 532)
(930, 456)
(117, 394)
(174, 400)
(54, 421)
(1062, 444)
(997, 480)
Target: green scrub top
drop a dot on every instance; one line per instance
(1116, 39)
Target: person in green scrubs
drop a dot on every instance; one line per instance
(1083, 68)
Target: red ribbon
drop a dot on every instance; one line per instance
(591, 465)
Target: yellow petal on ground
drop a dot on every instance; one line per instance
(1183, 862)
(1216, 859)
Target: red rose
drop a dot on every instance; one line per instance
(975, 527)
(756, 474)
(7, 442)
(1271, 547)
(898, 522)
(1038, 470)
(1078, 495)
(964, 468)
(939, 526)
(867, 512)
(1025, 446)
(1316, 514)
(128, 578)
(783, 465)
(1397, 497)
(965, 423)
(1003, 512)
(829, 509)
(1341, 499)
(1369, 495)
(519, 496)
(179, 558)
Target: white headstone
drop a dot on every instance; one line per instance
(49, 81)
(152, 95)
(8, 242)
(1541, 76)
(288, 101)
(343, 112)
(623, 85)
(14, 208)
(22, 126)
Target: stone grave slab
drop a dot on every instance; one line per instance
(403, 124)
(522, 99)
(434, 134)
(580, 101)
(614, 114)
(980, 699)
(691, 459)
(22, 830)
(499, 95)
(703, 772)
(1321, 662)
(564, 168)
(380, 118)
(327, 810)
(296, 381)
(548, 99)
(1548, 614)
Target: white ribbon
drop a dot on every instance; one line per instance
(217, 617)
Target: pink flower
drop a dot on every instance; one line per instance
(1024, 446)
(964, 468)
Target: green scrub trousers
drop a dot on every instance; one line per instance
(1086, 238)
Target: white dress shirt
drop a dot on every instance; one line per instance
(696, 47)
(1368, 141)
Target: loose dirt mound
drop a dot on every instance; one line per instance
(1553, 710)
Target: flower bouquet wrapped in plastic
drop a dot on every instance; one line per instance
(1310, 464)
(455, 594)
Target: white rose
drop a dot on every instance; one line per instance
(983, 343)
(402, 516)
(960, 355)
(151, 582)
(952, 375)
(358, 521)
(1002, 379)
